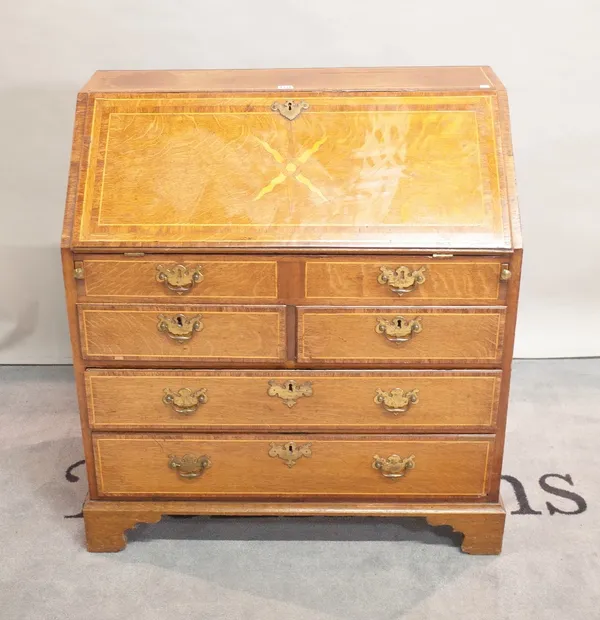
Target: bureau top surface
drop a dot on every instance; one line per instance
(319, 79)
(385, 158)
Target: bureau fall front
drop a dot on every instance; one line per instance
(293, 292)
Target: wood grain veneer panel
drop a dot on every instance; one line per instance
(231, 279)
(238, 400)
(459, 336)
(446, 280)
(365, 170)
(137, 465)
(236, 333)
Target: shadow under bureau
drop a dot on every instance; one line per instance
(293, 292)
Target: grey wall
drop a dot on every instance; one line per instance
(546, 53)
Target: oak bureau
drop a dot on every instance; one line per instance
(293, 292)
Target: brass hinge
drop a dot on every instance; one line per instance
(133, 253)
(442, 255)
(505, 273)
(78, 273)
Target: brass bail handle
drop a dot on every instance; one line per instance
(401, 280)
(399, 329)
(179, 278)
(396, 401)
(185, 401)
(393, 466)
(190, 466)
(179, 327)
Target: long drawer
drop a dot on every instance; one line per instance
(371, 401)
(172, 333)
(469, 336)
(162, 465)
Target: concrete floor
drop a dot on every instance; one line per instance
(315, 569)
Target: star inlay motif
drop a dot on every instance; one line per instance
(290, 169)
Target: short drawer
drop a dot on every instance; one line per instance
(171, 278)
(162, 465)
(396, 280)
(375, 401)
(179, 333)
(412, 335)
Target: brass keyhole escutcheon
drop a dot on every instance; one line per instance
(289, 391)
(179, 327)
(289, 109)
(399, 329)
(290, 452)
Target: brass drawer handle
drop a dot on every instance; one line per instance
(289, 109)
(179, 327)
(394, 466)
(290, 452)
(189, 466)
(398, 329)
(185, 401)
(401, 280)
(397, 400)
(289, 391)
(179, 278)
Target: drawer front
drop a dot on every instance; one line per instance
(394, 280)
(292, 466)
(468, 336)
(200, 278)
(264, 400)
(172, 333)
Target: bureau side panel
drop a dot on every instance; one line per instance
(78, 367)
(74, 190)
(507, 359)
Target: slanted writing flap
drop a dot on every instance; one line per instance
(348, 170)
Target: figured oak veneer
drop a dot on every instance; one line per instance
(353, 168)
(352, 281)
(290, 212)
(137, 465)
(224, 279)
(460, 336)
(299, 279)
(234, 333)
(448, 400)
